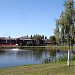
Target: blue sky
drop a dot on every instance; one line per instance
(26, 17)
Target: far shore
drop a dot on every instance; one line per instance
(40, 47)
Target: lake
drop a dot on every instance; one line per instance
(17, 57)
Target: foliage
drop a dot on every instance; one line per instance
(46, 60)
(64, 58)
(65, 24)
(39, 39)
(45, 37)
(52, 39)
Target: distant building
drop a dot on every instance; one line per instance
(7, 41)
(24, 41)
(47, 42)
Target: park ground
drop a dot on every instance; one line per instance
(57, 68)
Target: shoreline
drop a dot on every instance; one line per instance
(39, 47)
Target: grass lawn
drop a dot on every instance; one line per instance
(58, 68)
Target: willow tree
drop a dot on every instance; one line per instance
(66, 23)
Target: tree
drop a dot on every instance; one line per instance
(65, 24)
(31, 37)
(45, 37)
(74, 36)
(38, 39)
(57, 32)
(42, 36)
(52, 39)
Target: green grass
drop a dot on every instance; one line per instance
(39, 47)
(58, 68)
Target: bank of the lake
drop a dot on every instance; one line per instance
(40, 47)
(58, 68)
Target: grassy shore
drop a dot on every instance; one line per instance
(39, 47)
(58, 68)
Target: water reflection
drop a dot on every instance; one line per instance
(16, 57)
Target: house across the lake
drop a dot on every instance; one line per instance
(4, 41)
(24, 41)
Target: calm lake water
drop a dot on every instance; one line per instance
(17, 57)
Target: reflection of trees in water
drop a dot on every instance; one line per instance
(49, 56)
(6, 52)
(62, 54)
(31, 54)
(2, 52)
(24, 54)
(53, 55)
(37, 54)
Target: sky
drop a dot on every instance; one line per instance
(29, 17)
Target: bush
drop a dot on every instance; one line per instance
(64, 58)
(47, 60)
